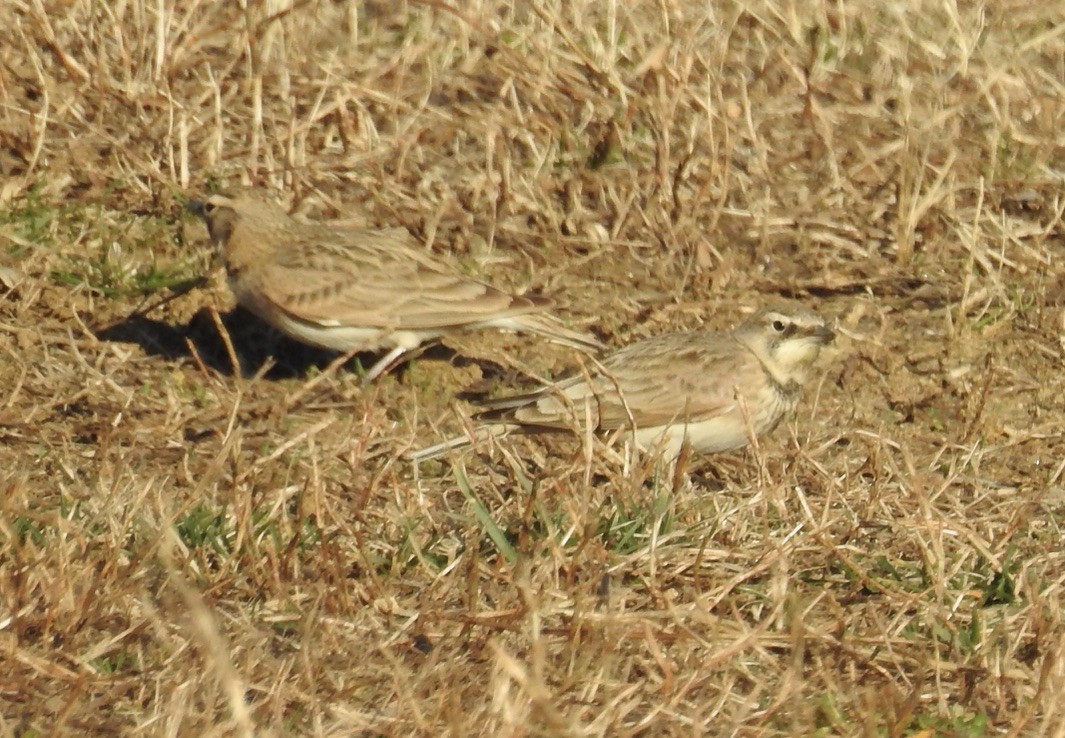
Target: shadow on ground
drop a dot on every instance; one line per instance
(255, 344)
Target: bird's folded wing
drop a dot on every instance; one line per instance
(687, 378)
(657, 383)
(370, 286)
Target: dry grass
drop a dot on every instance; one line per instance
(189, 550)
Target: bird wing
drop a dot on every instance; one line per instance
(376, 278)
(672, 378)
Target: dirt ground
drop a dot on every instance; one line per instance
(207, 529)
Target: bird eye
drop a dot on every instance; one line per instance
(208, 207)
(778, 326)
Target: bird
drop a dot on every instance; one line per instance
(710, 389)
(358, 289)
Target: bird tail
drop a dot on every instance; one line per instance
(553, 330)
(437, 450)
(454, 444)
(502, 408)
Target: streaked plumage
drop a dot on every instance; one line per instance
(351, 289)
(708, 387)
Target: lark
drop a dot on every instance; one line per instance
(359, 289)
(712, 390)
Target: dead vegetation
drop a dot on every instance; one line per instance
(186, 549)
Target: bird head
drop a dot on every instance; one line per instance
(787, 339)
(224, 214)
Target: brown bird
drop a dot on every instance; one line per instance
(351, 289)
(710, 389)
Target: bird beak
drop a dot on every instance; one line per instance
(196, 207)
(823, 334)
